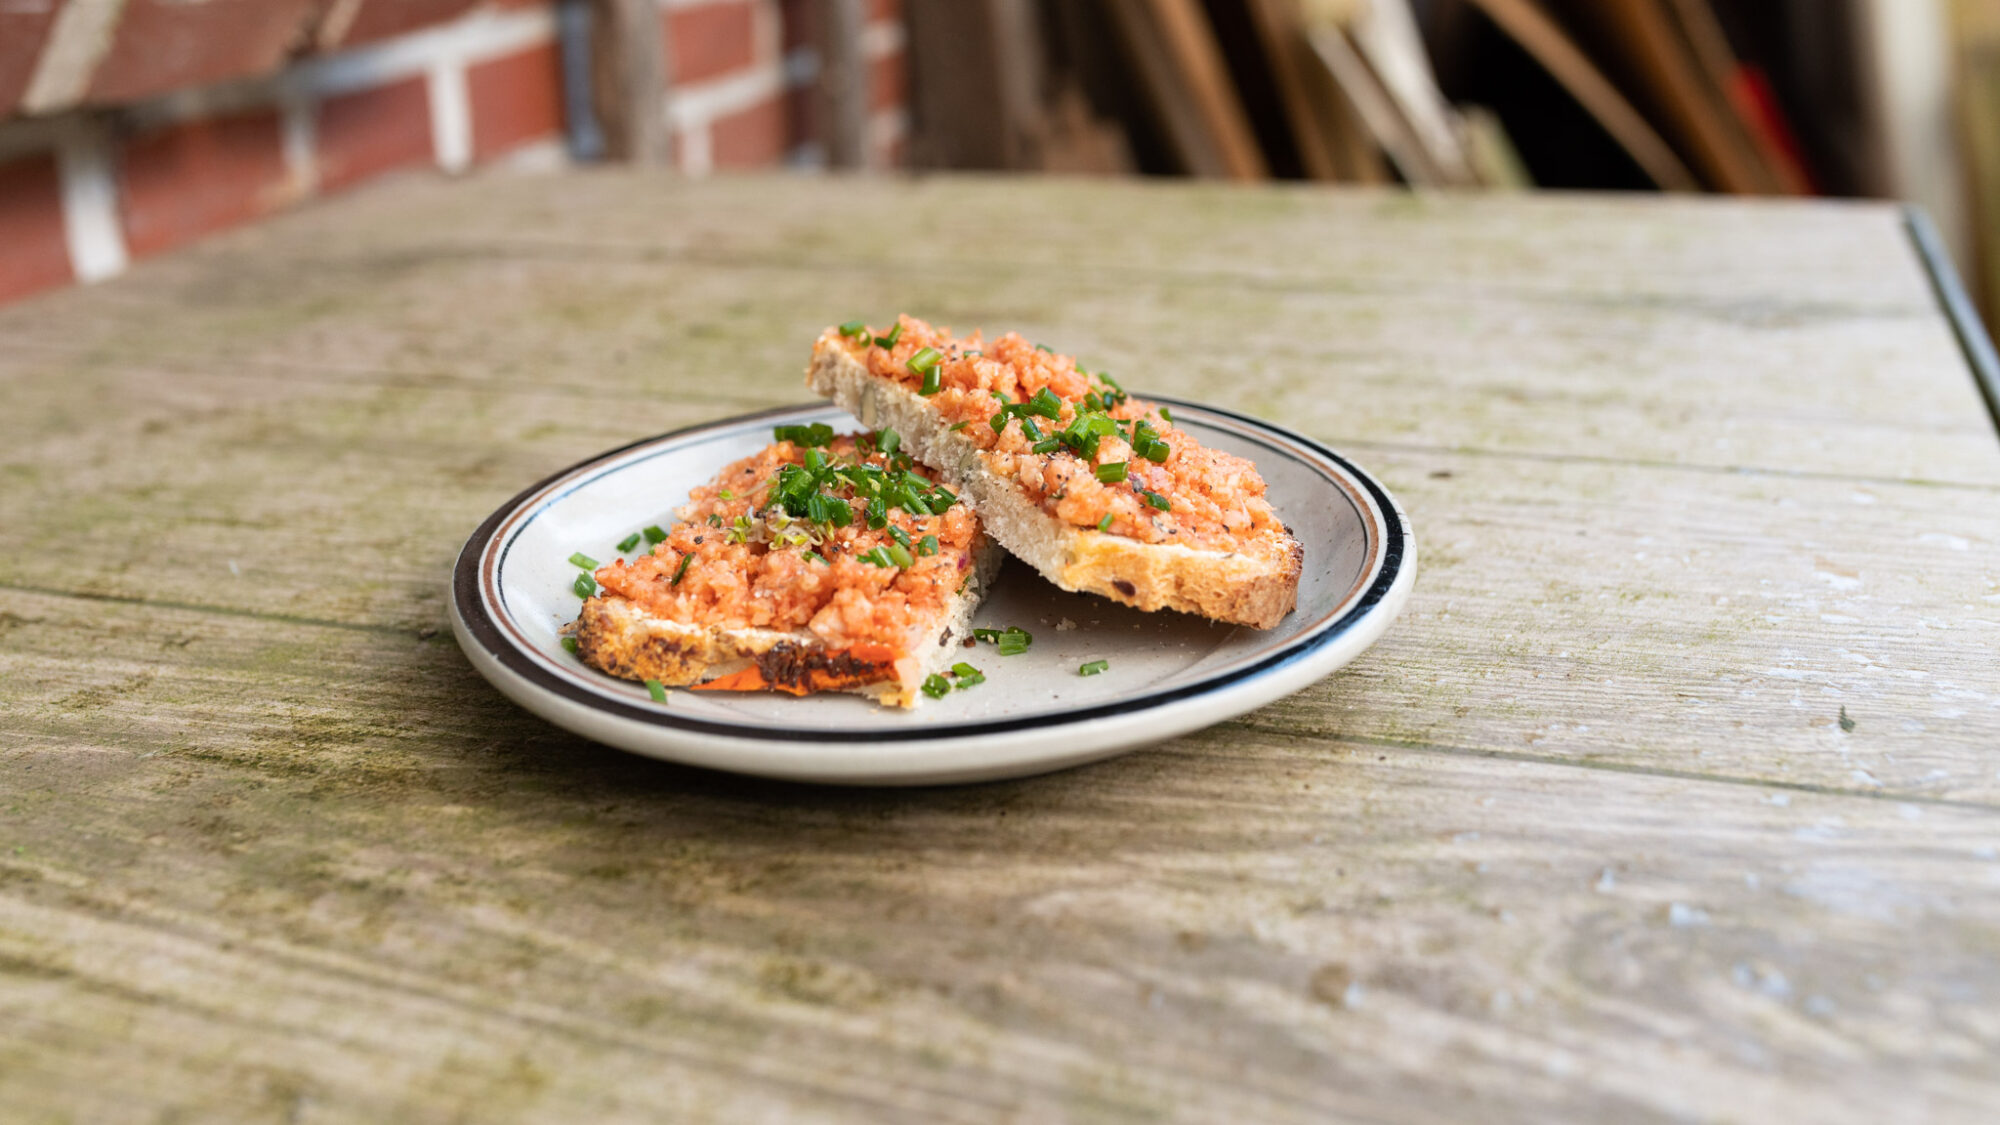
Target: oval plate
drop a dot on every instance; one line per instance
(1170, 672)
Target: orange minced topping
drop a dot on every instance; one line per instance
(748, 565)
(1217, 499)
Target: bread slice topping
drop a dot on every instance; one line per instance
(1098, 490)
(819, 563)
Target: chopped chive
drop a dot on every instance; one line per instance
(998, 422)
(924, 361)
(680, 572)
(899, 555)
(1045, 403)
(1013, 641)
(1105, 523)
(569, 643)
(899, 535)
(816, 557)
(629, 542)
(725, 494)
(654, 534)
(894, 335)
(1167, 414)
(1094, 667)
(1012, 648)
(816, 434)
(888, 441)
(857, 329)
(990, 636)
(1112, 473)
(714, 520)
(967, 675)
(1031, 431)
(928, 545)
(584, 586)
(1157, 500)
(1045, 348)
(1049, 446)
(936, 686)
(957, 426)
(657, 690)
(583, 560)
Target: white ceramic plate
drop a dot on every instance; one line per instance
(1170, 673)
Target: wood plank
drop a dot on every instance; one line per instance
(1550, 46)
(1694, 622)
(369, 887)
(1859, 391)
(1753, 256)
(1174, 51)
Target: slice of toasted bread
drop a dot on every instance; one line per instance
(788, 604)
(1142, 556)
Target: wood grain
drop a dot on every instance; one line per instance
(1582, 837)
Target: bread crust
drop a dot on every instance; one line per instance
(620, 639)
(1247, 588)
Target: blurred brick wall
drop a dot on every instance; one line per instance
(130, 128)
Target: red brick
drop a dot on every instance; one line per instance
(187, 180)
(164, 45)
(749, 138)
(887, 87)
(369, 132)
(22, 29)
(515, 99)
(31, 227)
(380, 19)
(711, 40)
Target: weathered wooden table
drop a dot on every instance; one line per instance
(1674, 794)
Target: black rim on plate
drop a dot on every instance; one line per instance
(472, 611)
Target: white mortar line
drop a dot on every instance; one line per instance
(696, 105)
(91, 226)
(451, 114)
(78, 40)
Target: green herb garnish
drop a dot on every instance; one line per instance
(1157, 500)
(657, 690)
(816, 434)
(899, 554)
(815, 556)
(1168, 415)
(583, 560)
(654, 534)
(936, 686)
(855, 328)
(569, 644)
(1105, 523)
(957, 426)
(1094, 667)
(924, 365)
(888, 441)
(680, 572)
(928, 545)
(894, 335)
(1112, 473)
(967, 675)
(584, 585)
(629, 542)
